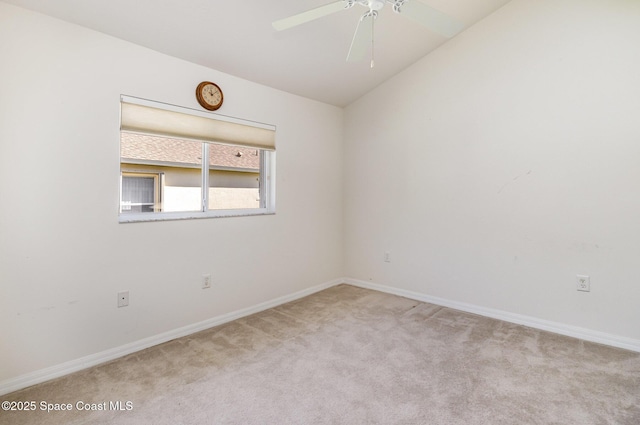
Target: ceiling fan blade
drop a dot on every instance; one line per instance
(431, 18)
(309, 15)
(361, 39)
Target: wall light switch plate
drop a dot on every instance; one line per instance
(583, 283)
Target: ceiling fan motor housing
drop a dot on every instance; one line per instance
(375, 4)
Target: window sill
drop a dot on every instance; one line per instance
(147, 217)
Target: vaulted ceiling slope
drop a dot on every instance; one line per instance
(236, 37)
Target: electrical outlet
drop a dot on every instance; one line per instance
(387, 257)
(206, 281)
(123, 299)
(583, 283)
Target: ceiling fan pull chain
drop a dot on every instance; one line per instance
(375, 15)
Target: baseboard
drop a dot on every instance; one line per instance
(532, 322)
(43, 375)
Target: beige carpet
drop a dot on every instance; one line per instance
(353, 356)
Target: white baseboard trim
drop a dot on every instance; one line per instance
(532, 322)
(43, 375)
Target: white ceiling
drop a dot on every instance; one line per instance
(236, 37)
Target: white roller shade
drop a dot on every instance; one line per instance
(137, 115)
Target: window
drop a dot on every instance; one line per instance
(139, 192)
(163, 174)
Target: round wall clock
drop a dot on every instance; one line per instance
(209, 95)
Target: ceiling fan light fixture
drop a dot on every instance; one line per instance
(397, 4)
(370, 14)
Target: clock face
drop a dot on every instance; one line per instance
(209, 95)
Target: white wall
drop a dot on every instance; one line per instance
(506, 162)
(63, 255)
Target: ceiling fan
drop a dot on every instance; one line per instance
(363, 37)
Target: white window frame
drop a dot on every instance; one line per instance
(266, 184)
